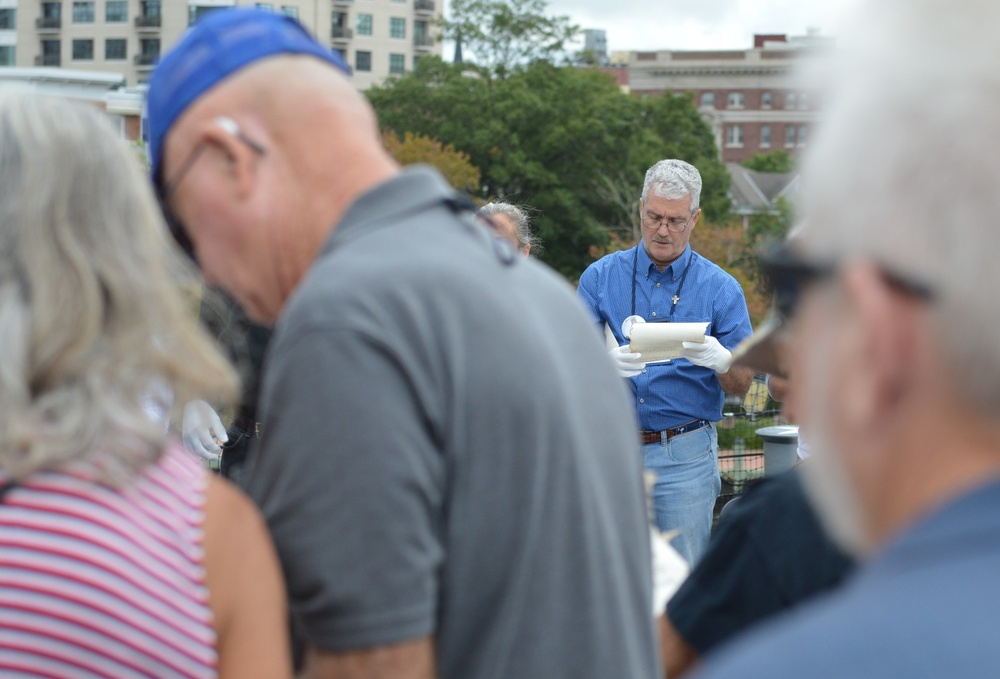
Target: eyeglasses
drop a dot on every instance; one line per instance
(675, 224)
(788, 274)
(166, 189)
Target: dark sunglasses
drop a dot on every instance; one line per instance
(164, 190)
(788, 273)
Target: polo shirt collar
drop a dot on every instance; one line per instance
(413, 189)
(673, 270)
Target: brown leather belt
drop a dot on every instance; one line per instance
(686, 428)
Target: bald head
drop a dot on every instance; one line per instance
(283, 147)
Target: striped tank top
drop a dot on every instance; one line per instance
(101, 582)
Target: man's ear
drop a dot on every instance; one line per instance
(239, 158)
(884, 332)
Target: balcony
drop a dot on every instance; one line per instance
(148, 23)
(47, 60)
(145, 60)
(48, 23)
(341, 33)
(424, 5)
(343, 3)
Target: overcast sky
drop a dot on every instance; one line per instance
(701, 24)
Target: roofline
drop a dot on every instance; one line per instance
(62, 75)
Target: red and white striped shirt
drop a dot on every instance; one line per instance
(101, 582)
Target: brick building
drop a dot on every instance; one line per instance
(752, 98)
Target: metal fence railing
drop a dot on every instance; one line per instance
(741, 450)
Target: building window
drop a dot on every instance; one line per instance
(196, 12)
(765, 135)
(115, 49)
(734, 135)
(397, 27)
(421, 35)
(765, 100)
(803, 101)
(51, 48)
(7, 18)
(790, 135)
(266, 6)
(363, 61)
(83, 50)
(83, 13)
(6, 55)
(802, 135)
(708, 99)
(51, 10)
(116, 11)
(401, 2)
(290, 10)
(397, 64)
(364, 24)
(150, 8)
(790, 100)
(150, 48)
(736, 100)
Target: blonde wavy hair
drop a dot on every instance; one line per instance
(92, 320)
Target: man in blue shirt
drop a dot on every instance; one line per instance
(679, 401)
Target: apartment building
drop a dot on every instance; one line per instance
(378, 38)
(753, 99)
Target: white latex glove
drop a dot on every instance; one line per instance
(628, 363)
(198, 427)
(670, 570)
(709, 354)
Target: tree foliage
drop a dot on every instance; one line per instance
(778, 160)
(562, 140)
(416, 148)
(504, 34)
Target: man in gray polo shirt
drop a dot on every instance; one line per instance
(448, 461)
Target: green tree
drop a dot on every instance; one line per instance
(555, 138)
(778, 160)
(504, 34)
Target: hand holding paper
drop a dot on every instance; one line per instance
(629, 364)
(709, 354)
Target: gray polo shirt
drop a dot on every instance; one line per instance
(448, 451)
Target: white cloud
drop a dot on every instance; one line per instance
(700, 24)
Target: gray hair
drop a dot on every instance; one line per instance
(673, 180)
(927, 201)
(92, 321)
(519, 218)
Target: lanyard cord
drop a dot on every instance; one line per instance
(677, 297)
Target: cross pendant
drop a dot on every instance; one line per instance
(676, 299)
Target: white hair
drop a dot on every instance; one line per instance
(906, 168)
(91, 319)
(519, 218)
(673, 180)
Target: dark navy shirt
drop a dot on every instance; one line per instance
(669, 394)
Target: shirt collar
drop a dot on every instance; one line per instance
(673, 270)
(411, 190)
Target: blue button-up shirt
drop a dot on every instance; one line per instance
(669, 394)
